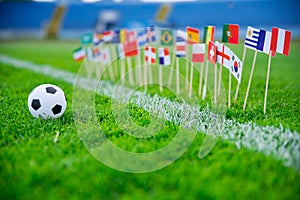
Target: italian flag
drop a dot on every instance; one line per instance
(230, 33)
(78, 54)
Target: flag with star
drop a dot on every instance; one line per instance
(230, 33)
(166, 37)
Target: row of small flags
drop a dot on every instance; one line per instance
(129, 43)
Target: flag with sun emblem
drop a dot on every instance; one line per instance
(166, 37)
(236, 67)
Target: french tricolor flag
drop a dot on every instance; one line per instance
(280, 41)
(164, 56)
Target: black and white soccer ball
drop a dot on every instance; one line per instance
(47, 101)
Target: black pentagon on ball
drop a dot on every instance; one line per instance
(56, 109)
(51, 90)
(35, 104)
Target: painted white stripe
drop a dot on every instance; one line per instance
(267, 43)
(280, 143)
(280, 40)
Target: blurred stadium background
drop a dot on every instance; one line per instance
(68, 19)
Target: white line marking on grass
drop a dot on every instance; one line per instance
(280, 143)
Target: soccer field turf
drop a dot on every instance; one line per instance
(34, 167)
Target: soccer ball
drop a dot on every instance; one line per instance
(47, 101)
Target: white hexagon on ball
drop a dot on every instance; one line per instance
(47, 101)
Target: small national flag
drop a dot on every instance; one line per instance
(79, 54)
(209, 34)
(198, 51)
(142, 37)
(121, 52)
(223, 55)
(86, 39)
(212, 52)
(105, 56)
(193, 35)
(96, 54)
(236, 67)
(151, 34)
(281, 41)
(150, 55)
(131, 45)
(166, 37)
(264, 41)
(107, 36)
(164, 56)
(180, 43)
(123, 35)
(252, 38)
(230, 33)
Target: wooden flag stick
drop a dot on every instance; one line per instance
(187, 68)
(200, 79)
(238, 84)
(177, 76)
(220, 79)
(250, 79)
(160, 75)
(122, 71)
(145, 75)
(138, 70)
(130, 74)
(111, 72)
(142, 67)
(205, 81)
(115, 61)
(150, 73)
(215, 88)
(137, 75)
(267, 83)
(191, 80)
(186, 74)
(229, 89)
(171, 71)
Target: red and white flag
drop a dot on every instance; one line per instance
(164, 56)
(223, 55)
(280, 41)
(180, 43)
(131, 44)
(198, 51)
(212, 52)
(150, 54)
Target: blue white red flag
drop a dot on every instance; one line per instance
(180, 43)
(164, 56)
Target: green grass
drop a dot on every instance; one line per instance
(32, 166)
